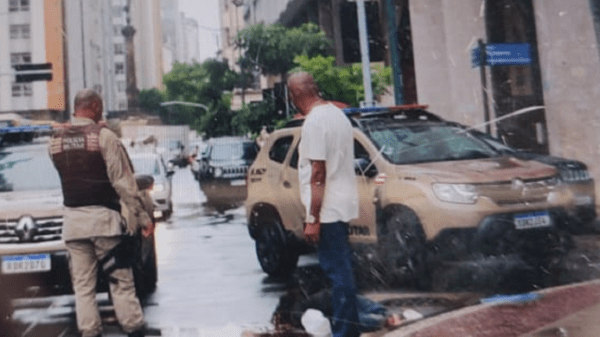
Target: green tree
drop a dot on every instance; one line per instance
(343, 83)
(150, 100)
(272, 48)
(207, 84)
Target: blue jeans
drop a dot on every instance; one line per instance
(335, 258)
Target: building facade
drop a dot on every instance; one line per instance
(30, 32)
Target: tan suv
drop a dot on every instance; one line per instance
(427, 188)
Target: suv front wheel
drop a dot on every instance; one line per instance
(275, 254)
(402, 248)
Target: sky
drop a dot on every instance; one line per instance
(206, 12)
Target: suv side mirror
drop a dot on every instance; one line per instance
(363, 166)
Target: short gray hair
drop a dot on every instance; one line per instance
(84, 97)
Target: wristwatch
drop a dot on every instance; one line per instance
(310, 219)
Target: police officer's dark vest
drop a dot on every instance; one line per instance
(76, 154)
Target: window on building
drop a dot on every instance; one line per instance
(14, 31)
(22, 90)
(13, 5)
(20, 58)
(27, 89)
(17, 90)
(117, 30)
(18, 5)
(121, 86)
(119, 68)
(119, 48)
(19, 31)
(25, 31)
(98, 88)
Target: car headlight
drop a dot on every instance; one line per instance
(456, 193)
(218, 172)
(158, 188)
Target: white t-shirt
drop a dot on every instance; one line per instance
(327, 135)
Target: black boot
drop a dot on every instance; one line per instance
(137, 333)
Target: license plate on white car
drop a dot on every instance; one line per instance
(32, 263)
(238, 182)
(533, 220)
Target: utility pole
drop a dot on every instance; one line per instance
(364, 52)
(132, 91)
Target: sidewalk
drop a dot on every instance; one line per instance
(571, 310)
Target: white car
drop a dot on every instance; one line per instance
(154, 165)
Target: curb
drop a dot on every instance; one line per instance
(503, 319)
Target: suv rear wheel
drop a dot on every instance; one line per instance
(273, 249)
(402, 248)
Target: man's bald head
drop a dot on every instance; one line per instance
(304, 91)
(88, 103)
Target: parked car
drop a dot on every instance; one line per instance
(573, 174)
(154, 165)
(223, 169)
(33, 255)
(426, 190)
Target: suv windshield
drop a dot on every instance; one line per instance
(411, 144)
(234, 151)
(26, 170)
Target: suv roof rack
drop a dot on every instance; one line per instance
(408, 112)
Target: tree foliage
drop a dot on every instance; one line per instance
(343, 84)
(150, 100)
(206, 83)
(272, 48)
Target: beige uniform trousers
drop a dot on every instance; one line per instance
(84, 255)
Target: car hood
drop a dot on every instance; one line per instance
(561, 163)
(45, 203)
(485, 170)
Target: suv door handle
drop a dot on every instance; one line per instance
(287, 184)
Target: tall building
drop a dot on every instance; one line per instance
(191, 42)
(232, 21)
(146, 19)
(97, 48)
(31, 32)
(171, 33)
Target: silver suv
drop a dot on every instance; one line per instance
(427, 188)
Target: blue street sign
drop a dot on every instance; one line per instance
(503, 54)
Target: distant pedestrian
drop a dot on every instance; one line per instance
(329, 192)
(96, 177)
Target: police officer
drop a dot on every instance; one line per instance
(96, 179)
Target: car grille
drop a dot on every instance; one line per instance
(518, 192)
(234, 171)
(46, 229)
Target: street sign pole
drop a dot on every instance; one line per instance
(484, 91)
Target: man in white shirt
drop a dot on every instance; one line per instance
(329, 193)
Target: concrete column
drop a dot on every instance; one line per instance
(444, 32)
(570, 67)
